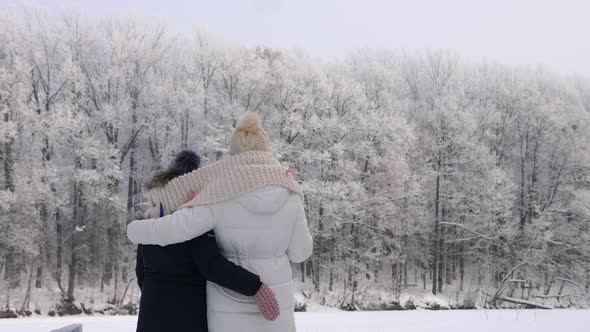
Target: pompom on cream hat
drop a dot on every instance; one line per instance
(249, 135)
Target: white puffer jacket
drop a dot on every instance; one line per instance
(261, 231)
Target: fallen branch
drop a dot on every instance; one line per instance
(504, 281)
(524, 302)
(126, 289)
(550, 296)
(573, 283)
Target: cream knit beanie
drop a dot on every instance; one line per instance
(249, 135)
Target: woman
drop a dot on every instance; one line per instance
(172, 278)
(256, 210)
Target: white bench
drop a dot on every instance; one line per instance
(69, 328)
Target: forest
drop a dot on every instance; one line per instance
(422, 171)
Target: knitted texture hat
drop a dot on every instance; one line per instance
(249, 135)
(184, 162)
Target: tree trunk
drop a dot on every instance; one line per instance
(75, 233)
(8, 167)
(404, 238)
(442, 255)
(332, 259)
(184, 129)
(116, 286)
(7, 298)
(415, 272)
(59, 253)
(561, 287)
(27, 298)
(461, 266)
(302, 269)
(436, 243)
(587, 286)
(394, 285)
(131, 184)
(107, 273)
(317, 253)
(354, 267)
(125, 291)
(354, 284)
(39, 277)
(72, 278)
(523, 158)
(309, 268)
(531, 187)
(548, 283)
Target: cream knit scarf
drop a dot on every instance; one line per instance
(223, 180)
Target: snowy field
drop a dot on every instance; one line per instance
(399, 321)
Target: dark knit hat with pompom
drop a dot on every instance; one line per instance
(184, 162)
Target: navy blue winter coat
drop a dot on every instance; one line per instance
(173, 279)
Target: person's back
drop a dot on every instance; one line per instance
(262, 231)
(173, 291)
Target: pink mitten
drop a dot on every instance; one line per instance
(267, 303)
(190, 197)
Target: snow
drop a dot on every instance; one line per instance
(421, 298)
(378, 321)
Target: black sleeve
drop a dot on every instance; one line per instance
(139, 267)
(218, 269)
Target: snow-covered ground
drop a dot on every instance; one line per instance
(398, 321)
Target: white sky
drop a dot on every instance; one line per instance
(552, 33)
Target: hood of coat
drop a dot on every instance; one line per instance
(267, 199)
(160, 179)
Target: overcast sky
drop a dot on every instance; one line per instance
(554, 33)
